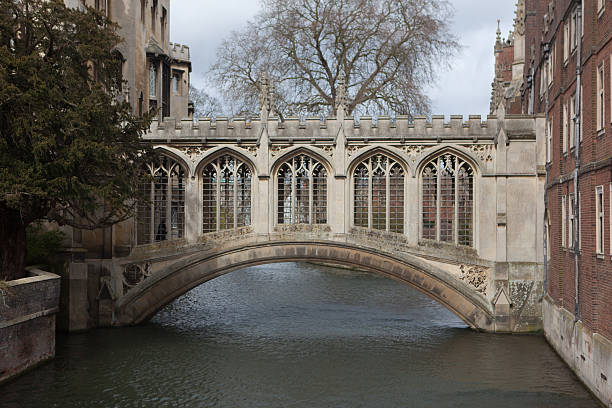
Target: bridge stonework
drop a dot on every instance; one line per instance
(474, 246)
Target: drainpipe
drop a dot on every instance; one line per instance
(577, 159)
(548, 160)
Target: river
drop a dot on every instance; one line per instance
(300, 335)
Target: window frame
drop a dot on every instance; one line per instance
(460, 161)
(601, 109)
(599, 221)
(563, 221)
(390, 163)
(294, 208)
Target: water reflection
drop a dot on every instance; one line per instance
(300, 335)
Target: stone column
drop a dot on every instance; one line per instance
(193, 209)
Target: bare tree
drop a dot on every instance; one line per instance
(387, 51)
(204, 104)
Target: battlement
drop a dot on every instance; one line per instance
(179, 51)
(363, 128)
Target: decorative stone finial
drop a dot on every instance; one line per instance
(263, 92)
(519, 21)
(341, 98)
(498, 31)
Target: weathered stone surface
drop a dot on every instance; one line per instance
(588, 354)
(27, 322)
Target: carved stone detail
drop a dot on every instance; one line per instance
(328, 150)
(252, 150)
(277, 149)
(414, 151)
(194, 153)
(475, 276)
(352, 149)
(484, 152)
(133, 274)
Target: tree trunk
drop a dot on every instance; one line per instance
(12, 244)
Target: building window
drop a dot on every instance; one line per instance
(601, 119)
(574, 30)
(142, 11)
(302, 191)
(226, 188)
(571, 224)
(176, 82)
(599, 213)
(161, 210)
(572, 115)
(152, 80)
(447, 200)
(153, 16)
(164, 18)
(563, 221)
(140, 103)
(565, 131)
(549, 139)
(566, 41)
(379, 194)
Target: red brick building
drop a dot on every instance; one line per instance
(567, 77)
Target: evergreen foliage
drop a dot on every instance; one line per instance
(70, 150)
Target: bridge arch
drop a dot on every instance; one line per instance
(147, 298)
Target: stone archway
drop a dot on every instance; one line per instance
(142, 302)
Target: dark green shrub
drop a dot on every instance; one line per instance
(43, 245)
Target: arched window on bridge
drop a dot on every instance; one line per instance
(379, 194)
(302, 191)
(161, 212)
(226, 187)
(447, 201)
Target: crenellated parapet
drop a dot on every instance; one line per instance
(400, 129)
(179, 51)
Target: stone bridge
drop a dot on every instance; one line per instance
(451, 208)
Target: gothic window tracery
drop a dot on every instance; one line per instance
(302, 191)
(226, 188)
(447, 200)
(379, 194)
(161, 211)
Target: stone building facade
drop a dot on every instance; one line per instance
(156, 72)
(568, 78)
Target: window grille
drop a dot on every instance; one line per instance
(447, 200)
(302, 191)
(161, 209)
(378, 184)
(226, 194)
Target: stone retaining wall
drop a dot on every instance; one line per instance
(27, 322)
(588, 354)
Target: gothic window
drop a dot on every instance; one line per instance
(152, 80)
(447, 200)
(379, 194)
(161, 210)
(226, 187)
(302, 191)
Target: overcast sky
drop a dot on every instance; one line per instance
(463, 89)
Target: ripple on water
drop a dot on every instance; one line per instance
(300, 335)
